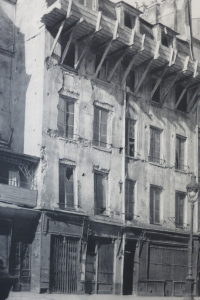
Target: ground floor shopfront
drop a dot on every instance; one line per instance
(71, 254)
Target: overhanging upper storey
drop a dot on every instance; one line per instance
(128, 39)
(17, 178)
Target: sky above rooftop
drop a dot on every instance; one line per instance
(195, 5)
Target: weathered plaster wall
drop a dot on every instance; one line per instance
(81, 150)
(7, 14)
(165, 176)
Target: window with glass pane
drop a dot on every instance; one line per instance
(66, 117)
(66, 186)
(130, 137)
(100, 127)
(155, 193)
(179, 209)
(180, 153)
(155, 145)
(129, 200)
(100, 193)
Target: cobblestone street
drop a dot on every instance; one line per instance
(33, 296)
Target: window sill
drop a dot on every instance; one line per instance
(157, 164)
(156, 224)
(181, 171)
(133, 158)
(69, 140)
(102, 149)
(69, 69)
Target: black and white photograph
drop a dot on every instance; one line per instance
(99, 149)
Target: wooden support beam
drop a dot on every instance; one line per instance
(182, 94)
(170, 87)
(84, 51)
(89, 39)
(191, 103)
(112, 72)
(108, 47)
(196, 69)
(149, 63)
(158, 82)
(129, 67)
(70, 39)
(57, 37)
(103, 57)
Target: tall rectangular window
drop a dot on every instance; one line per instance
(179, 209)
(129, 200)
(100, 127)
(100, 193)
(66, 186)
(154, 154)
(130, 137)
(180, 153)
(155, 193)
(66, 117)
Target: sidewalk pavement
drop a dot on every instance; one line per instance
(33, 296)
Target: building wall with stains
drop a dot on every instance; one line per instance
(7, 15)
(165, 175)
(80, 150)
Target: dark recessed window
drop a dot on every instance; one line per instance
(179, 209)
(129, 199)
(130, 81)
(129, 21)
(182, 106)
(69, 59)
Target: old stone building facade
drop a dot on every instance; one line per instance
(99, 136)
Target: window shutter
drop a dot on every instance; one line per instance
(103, 128)
(98, 194)
(69, 119)
(96, 126)
(182, 147)
(157, 206)
(151, 154)
(177, 152)
(157, 146)
(151, 205)
(95, 195)
(69, 186)
(104, 192)
(61, 186)
(177, 210)
(61, 117)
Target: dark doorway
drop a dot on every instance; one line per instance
(128, 267)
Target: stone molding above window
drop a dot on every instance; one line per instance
(108, 107)
(66, 161)
(69, 94)
(100, 169)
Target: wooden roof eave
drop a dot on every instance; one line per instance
(124, 34)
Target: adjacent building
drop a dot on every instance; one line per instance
(99, 137)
